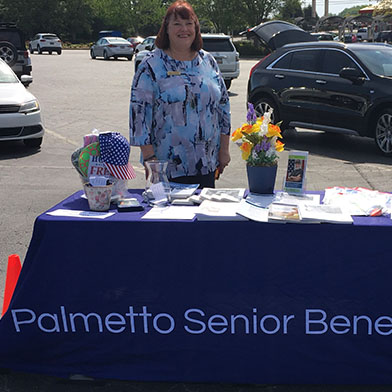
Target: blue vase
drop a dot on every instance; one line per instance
(261, 179)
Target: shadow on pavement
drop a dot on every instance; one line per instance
(332, 145)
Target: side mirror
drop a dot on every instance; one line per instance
(26, 79)
(353, 74)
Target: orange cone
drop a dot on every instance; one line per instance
(13, 270)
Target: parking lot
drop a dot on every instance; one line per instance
(78, 94)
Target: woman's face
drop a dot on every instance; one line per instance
(181, 32)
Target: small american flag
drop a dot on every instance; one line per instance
(115, 154)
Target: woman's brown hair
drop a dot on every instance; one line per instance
(179, 9)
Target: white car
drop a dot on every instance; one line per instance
(225, 54)
(219, 45)
(147, 44)
(45, 42)
(20, 114)
(116, 47)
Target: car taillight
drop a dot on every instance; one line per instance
(112, 46)
(26, 54)
(257, 64)
(42, 40)
(237, 57)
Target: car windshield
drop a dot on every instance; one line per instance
(117, 40)
(378, 60)
(6, 75)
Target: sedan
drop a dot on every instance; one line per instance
(325, 85)
(20, 115)
(116, 47)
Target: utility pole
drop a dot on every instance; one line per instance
(326, 4)
(313, 8)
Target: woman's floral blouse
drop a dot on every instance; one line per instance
(181, 108)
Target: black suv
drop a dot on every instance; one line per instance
(13, 49)
(327, 86)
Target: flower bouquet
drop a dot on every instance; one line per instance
(259, 142)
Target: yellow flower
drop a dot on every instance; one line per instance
(239, 132)
(246, 148)
(279, 146)
(273, 130)
(247, 128)
(236, 135)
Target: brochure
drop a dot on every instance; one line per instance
(217, 211)
(259, 200)
(252, 212)
(225, 195)
(294, 181)
(288, 198)
(182, 191)
(283, 212)
(324, 213)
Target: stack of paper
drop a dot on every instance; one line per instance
(217, 211)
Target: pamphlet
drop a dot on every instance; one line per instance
(171, 213)
(217, 211)
(252, 212)
(225, 195)
(324, 213)
(288, 198)
(294, 181)
(182, 191)
(260, 200)
(359, 201)
(283, 212)
(80, 214)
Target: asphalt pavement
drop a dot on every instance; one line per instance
(78, 94)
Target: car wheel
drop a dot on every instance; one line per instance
(39, 50)
(8, 53)
(262, 106)
(59, 51)
(92, 54)
(31, 49)
(130, 58)
(228, 83)
(33, 143)
(50, 52)
(105, 55)
(383, 132)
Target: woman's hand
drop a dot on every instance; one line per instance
(224, 155)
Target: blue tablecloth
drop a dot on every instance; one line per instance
(238, 302)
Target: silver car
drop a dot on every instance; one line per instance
(20, 114)
(116, 47)
(225, 54)
(219, 45)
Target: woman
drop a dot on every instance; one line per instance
(180, 110)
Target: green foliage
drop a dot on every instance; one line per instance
(81, 20)
(247, 48)
(289, 10)
(352, 11)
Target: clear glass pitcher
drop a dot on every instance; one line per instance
(157, 185)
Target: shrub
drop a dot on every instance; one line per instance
(247, 48)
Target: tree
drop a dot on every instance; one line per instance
(224, 15)
(352, 11)
(290, 9)
(257, 11)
